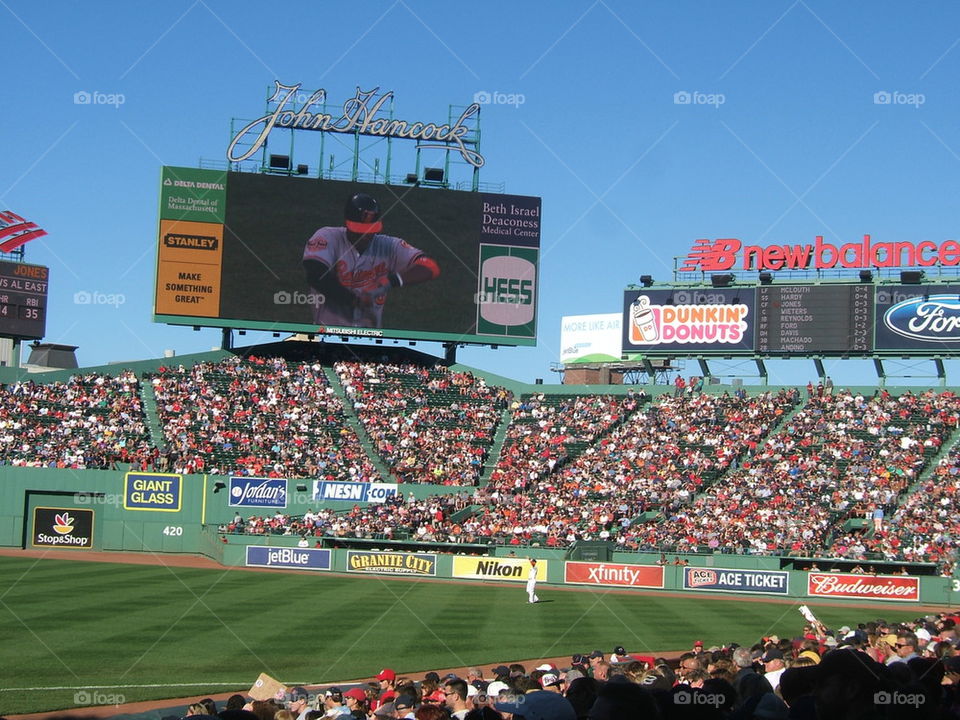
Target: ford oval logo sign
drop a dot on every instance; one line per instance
(931, 319)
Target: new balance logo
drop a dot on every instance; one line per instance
(715, 256)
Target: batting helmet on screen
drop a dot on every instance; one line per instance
(362, 214)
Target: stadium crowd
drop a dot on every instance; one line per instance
(835, 475)
(838, 456)
(257, 417)
(429, 426)
(876, 670)
(88, 422)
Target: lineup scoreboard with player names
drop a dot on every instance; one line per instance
(792, 320)
(23, 300)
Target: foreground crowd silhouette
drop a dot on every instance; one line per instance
(875, 670)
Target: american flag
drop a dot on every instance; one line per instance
(15, 231)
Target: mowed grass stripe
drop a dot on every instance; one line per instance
(133, 624)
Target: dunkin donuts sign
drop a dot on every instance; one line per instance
(872, 587)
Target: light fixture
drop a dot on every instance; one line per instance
(911, 277)
(866, 276)
(721, 280)
(766, 278)
(279, 162)
(646, 280)
(434, 175)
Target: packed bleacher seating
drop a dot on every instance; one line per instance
(547, 431)
(430, 425)
(924, 528)
(257, 417)
(689, 471)
(657, 460)
(834, 457)
(90, 421)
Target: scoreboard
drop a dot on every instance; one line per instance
(814, 319)
(23, 300)
(784, 320)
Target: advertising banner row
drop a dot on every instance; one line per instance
(788, 319)
(761, 582)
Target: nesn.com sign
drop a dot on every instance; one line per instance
(355, 491)
(258, 492)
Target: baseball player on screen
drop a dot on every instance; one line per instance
(353, 267)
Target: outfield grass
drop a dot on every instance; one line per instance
(89, 625)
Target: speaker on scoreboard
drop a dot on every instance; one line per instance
(911, 277)
(765, 278)
(721, 280)
(866, 276)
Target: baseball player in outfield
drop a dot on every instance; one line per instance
(532, 582)
(354, 266)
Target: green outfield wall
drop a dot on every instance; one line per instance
(43, 508)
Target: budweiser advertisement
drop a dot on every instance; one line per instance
(872, 587)
(588, 573)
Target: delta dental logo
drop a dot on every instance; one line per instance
(63, 524)
(929, 319)
(721, 254)
(716, 323)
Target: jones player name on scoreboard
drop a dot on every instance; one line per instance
(23, 300)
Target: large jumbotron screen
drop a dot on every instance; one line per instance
(231, 254)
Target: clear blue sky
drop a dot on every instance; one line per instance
(629, 178)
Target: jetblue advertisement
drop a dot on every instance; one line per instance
(918, 317)
(288, 558)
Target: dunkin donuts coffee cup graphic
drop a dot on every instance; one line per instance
(643, 322)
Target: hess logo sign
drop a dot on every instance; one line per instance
(507, 290)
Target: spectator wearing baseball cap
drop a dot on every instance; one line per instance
(773, 666)
(333, 704)
(619, 655)
(550, 682)
(594, 658)
(405, 706)
(386, 678)
(698, 646)
(298, 703)
(357, 704)
(501, 672)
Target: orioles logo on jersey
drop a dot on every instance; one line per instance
(361, 279)
(317, 242)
